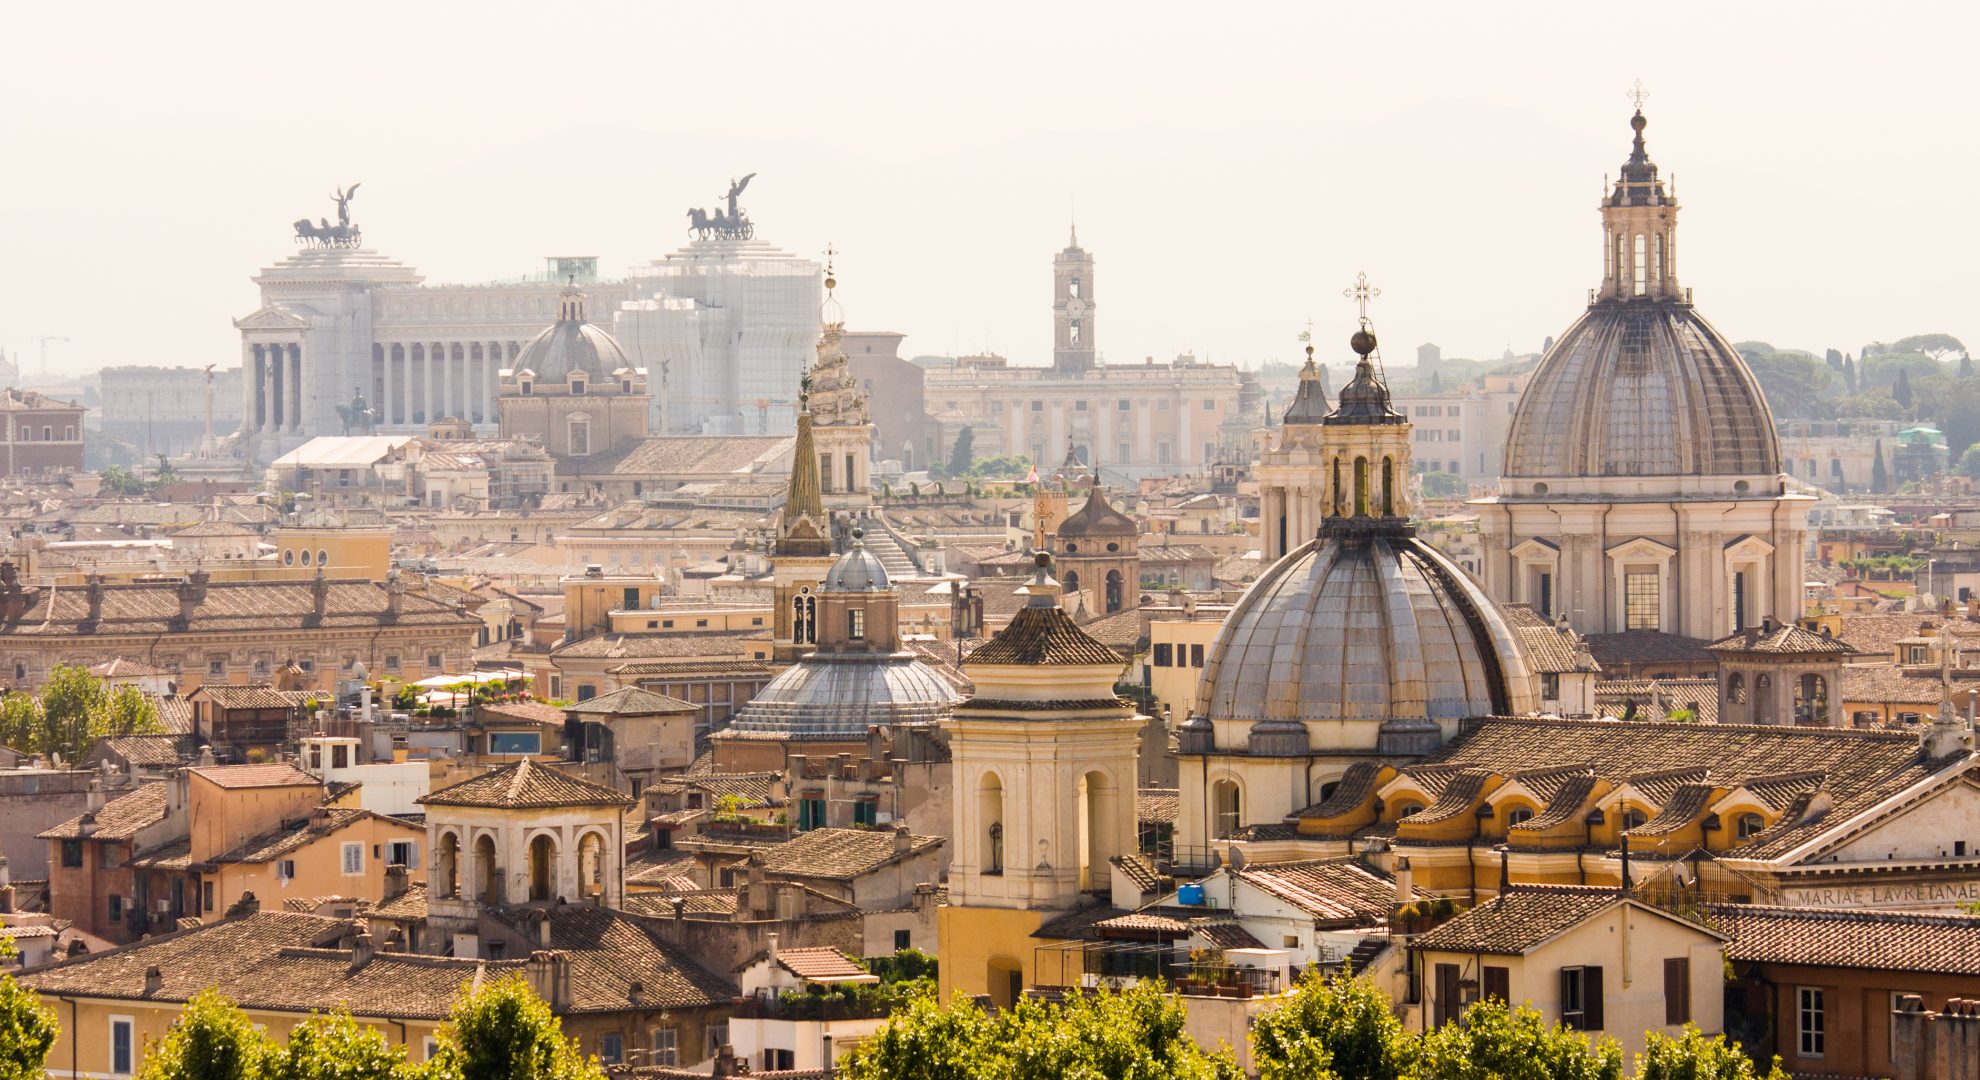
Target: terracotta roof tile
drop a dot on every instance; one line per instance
(120, 819)
(1782, 638)
(1042, 636)
(526, 785)
(281, 774)
(1157, 805)
(610, 950)
(1519, 920)
(1619, 651)
(652, 647)
(838, 853)
(823, 965)
(1224, 934)
(632, 701)
(156, 750)
(1878, 940)
(1339, 890)
(1140, 870)
(242, 606)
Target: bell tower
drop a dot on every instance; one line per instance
(1072, 310)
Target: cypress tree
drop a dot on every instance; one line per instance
(1880, 481)
(1901, 393)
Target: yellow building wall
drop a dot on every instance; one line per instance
(225, 818)
(353, 553)
(691, 620)
(320, 867)
(1175, 685)
(83, 1046)
(971, 941)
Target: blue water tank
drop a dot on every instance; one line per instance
(1190, 896)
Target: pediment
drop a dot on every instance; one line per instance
(1750, 546)
(1641, 548)
(272, 317)
(1536, 549)
(1916, 825)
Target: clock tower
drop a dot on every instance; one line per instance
(1072, 309)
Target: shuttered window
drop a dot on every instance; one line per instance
(1677, 990)
(1498, 984)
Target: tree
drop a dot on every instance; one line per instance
(1937, 346)
(76, 709)
(1880, 480)
(503, 1031)
(21, 721)
(337, 1047)
(1332, 1026)
(211, 1040)
(27, 1028)
(1692, 1056)
(963, 453)
(1834, 358)
(1849, 374)
(1901, 393)
(1444, 485)
(1497, 1043)
(1136, 1034)
(1969, 467)
(1965, 366)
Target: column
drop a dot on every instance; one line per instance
(446, 383)
(250, 384)
(271, 415)
(406, 383)
(295, 388)
(1185, 443)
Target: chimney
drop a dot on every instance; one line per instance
(1405, 886)
(1505, 868)
(770, 946)
(903, 839)
(188, 603)
(395, 597)
(397, 880)
(362, 950)
(198, 579)
(543, 931)
(154, 980)
(549, 974)
(94, 592)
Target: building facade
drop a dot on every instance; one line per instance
(160, 410)
(43, 436)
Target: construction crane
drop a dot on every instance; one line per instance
(43, 340)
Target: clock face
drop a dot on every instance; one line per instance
(1075, 307)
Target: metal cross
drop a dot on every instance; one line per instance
(830, 251)
(1638, 94)
(1361, 292)
(1307, 334)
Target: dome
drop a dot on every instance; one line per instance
(1379, 628)
(839, 697)
(1642, 388)
(858, 570)
(1097, 517)
(571, 345)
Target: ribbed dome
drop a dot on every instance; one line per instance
(1642, 387)
(1097, 518)
(571, 346)
(839, 697)
(1377, 628)
(858, 570)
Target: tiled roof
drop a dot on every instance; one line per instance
(214, 528)
(251, 696)
(1877, 940)
(408, 906)
(1784, 638)
(1779, 792)
(1077, 924)
(609, 951)
(1566, 802)
(229, 954)
(692, 454)
(1646, 647)
(120, 819)
(1096, 517)
(281, 774)
(1547, 647)
(226, 606)
(1353, 789)
(524, 712)
(1879, 633)
(1157, 805)
(1458, 796)
(157, 750)
(823, 965)
(1883, 684)
(838, 853)
(737, 668)
(1225, 934)
(526, 785)
(1862, 767)
(174, 712)
(754, 788)
(1613, 697)
(1143, 922)
(1042, 636)
(652, 647)
(1139, 869)
(1684, 806)
(1519, 920)
(632, 701)
(1660, 785)
(123, 667)
(279, 842)
(1122, 631)
(1338, 890)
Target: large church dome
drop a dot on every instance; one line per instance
(571, 344)
(1641, 385)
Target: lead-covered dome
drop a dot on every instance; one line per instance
(839, 697)
(571, 344)
(1377, 628)
(1642, 387)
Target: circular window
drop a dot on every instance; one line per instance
(288, 557)
(305, 557)
(1539, 489)
(1113, 547)
(1070, 548)
(322, 557)
(1742, 487)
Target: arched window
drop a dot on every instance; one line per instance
(1361, 487)
(1763, 700)
(487, 874)
(1340, 497)
(1115, 591)
(1226, 809)
(1517, 815)
(1622, 260)
(990, 811)
(542, 863)
(591, 865)
(1633, 818)
(1642, 285)
(1736, 688)
(448, 865)
(1658, 266)
(1071, 583)
(1099, 805)
(1388, 487)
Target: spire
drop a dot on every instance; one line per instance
(1043, 590)
(1365, 399)
(830, 314)
(1639, 227)
(570, 303)
(1309, 403)
(802, 530)
(1073, 242)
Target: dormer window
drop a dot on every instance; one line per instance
(577, 384)
(526, 387)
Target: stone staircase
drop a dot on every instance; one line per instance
(1364, 953)
(890, 553)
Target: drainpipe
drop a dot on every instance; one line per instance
(1604, 584)
(1677, 568)
(74, 1028)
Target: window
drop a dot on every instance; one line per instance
(434, 661)
(1448, 978)
(1550, 686)
(1163, 654)
(391, 661)
(1196, 656)
(1519, 815)
(1037, 406)
(1123, 406)
(322, 557)
(716, 1036)
(1642, 284)
(1209, 405)
(353, 858)
(774, 1060)
(428, 1047)
(1162, 405)
(1642, 600)
(285, 869)
(1122, 452)
(515, 742)
(1497, 983)
(577, 385)
(116, 908)
(811, 813)
(122, 1045)
(666, 1046)
(903, 939)
(72, 854)
(1079, 406)
(1581, 998)
(1749, 826)
(580, 431)
(612, 1048)
(866, 812)
(1739, 600)
(1677, 990)
(206, 896)
(400, 853)
(216, 667)
(1810, 1023)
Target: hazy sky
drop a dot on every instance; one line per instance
(1232, 166)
